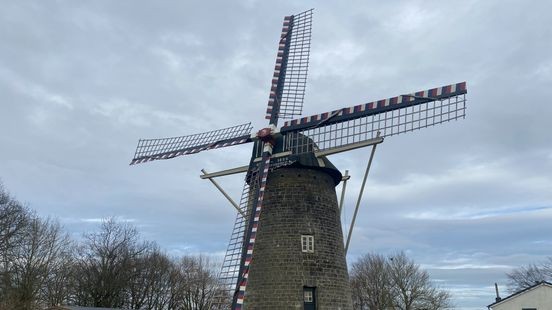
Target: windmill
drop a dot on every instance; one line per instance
(288, 217)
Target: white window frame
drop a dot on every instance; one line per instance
(308, 296)
(307, 243)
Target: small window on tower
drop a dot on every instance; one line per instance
(308, 295)
(307, 243)
(309, 298)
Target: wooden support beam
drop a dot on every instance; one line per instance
(224, 172)
(349, 147)
(234, 204)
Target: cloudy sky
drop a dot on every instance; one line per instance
(82, 81)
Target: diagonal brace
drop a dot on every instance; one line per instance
(360, 196)
(234, 204)
(345, 178)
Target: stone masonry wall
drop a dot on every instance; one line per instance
(298, 201)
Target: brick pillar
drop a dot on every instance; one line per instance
(298, 201)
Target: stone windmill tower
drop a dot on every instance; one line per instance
(286, 250)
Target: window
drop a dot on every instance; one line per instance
(309, 298)
(307, 243)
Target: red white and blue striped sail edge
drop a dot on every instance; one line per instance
(379, 106)
(251, 241)
(278, 66)
(191, 150)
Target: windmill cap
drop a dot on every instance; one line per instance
(310, 161)
(304, 160)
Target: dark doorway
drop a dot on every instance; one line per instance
(309, 298)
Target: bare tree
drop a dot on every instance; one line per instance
(59, 282)
(112, 267)
(394, 283)
(29, 251)
(149, 287)
(14, 217)
(370, 281)
(526, 276)
(105, 264)
(195, 283)
(44, 242)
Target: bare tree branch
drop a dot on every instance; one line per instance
(394, 283)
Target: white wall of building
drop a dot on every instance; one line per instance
(539, 298)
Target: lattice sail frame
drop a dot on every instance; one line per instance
(229, 273)
(251, 231)
(165, 148)
(389, 117)
(290, 72)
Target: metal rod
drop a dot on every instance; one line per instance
(360, 197)
(349, 147)
(344, 179)
(224, 172)
(277, 155)
(236, 206)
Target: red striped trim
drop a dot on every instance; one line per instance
(253, 234)
(432, 93)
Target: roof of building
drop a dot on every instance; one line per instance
(538, 284)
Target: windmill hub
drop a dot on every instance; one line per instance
(267, 135)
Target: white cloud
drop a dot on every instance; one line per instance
(466, 266)
(187, 39)
(410, 19)
(478, 213)
(95, 220)
(124, 112)
(40, 94)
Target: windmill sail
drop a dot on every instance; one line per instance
(229, 273)
(165, 148)
(390, 117)
(250, 234)
(290, 72)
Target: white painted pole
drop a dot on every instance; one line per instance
(345, 178)
(234, 204)
(360, 197)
